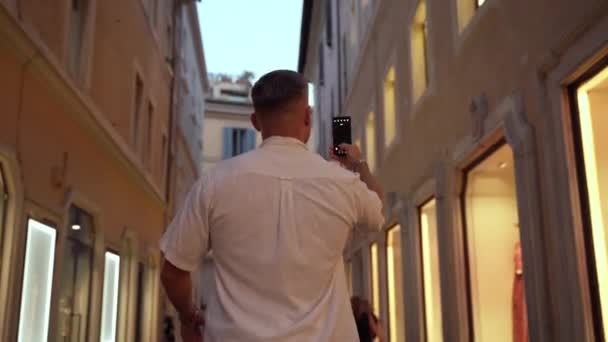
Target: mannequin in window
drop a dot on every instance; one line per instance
(520, 315)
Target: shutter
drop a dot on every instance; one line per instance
(250, 142)
(228, 148)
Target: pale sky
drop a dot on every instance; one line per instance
(255, 35)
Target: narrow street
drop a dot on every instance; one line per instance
(483, 120)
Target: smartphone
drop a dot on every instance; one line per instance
(341, 133)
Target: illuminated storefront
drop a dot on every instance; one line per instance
(430, 270)
(394, 265)
(375, 278)
(590, 97)
(497, 306)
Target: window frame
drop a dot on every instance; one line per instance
(22, 278)
(419, 213)
(4, 202)
(501, 142)
(91, 244)
(375, 280)
(148, 136)
(118, 293)
(136, 114)
(422, 27)
(583, 195)
(387, 231)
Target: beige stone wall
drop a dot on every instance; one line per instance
(515, 60)
(215, 121)
(69, 141)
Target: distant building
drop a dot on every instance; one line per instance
(102, 111)
(228, 131)
(485, 121)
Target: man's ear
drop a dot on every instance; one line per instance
(308, 117)
(254, 121)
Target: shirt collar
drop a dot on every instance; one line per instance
(283, 141)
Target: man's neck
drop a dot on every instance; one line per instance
(266, 135)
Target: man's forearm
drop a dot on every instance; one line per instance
(178, 286)
(372, 183)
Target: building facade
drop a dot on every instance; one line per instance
(88, 136)
(482, 120)
(228, 131)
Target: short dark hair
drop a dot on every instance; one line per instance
(277, 89)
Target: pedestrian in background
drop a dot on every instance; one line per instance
(278, 219)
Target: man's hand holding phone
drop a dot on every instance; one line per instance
(351, 158)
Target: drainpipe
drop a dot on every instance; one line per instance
(173, 111)
(339, 47)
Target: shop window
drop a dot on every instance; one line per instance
(76, 272)
(140, 309)
(109, 304)
(3, 204)
(592, 103)
(430, 271)
(375, 278)
(419, 36)
(149, 126)
(396, 322)
(78, 20)
(466, 11)
(390, 115)
(370, 140)
(37, 282)
(136, 122)
(495, 267)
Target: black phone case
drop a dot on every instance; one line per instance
(341, 131)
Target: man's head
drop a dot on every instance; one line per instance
(280, 100)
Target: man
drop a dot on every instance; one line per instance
(278, 219)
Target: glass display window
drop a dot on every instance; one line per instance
(394, 262)
(375, 278)
(494, 260)
(76, 275)
(37, 282)
(429, 250)
(591, 100)
(390, 111)
(109, 304)
(370, 140)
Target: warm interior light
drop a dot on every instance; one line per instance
(109, 313)
(395, 284)
(491, 209)
(37, 282)
(502, 165)
(390, 118)
(76, 227)
(590, 98)
(430, 269)
(370, 140)
(375, 280)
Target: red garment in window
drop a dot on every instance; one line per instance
(520, 314)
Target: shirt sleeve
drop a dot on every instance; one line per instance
(369, 209)
(186, 240)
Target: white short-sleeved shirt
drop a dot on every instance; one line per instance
(278, 219)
